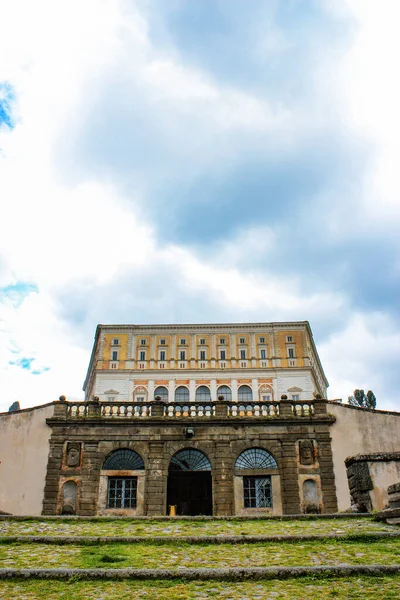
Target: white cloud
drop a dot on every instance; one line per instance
(58, 234)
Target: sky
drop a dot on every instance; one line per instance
(194, 161)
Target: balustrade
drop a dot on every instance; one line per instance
(182, 410)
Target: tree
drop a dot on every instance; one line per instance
(365, 400)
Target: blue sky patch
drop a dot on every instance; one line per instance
(16, 293)
(7, 100)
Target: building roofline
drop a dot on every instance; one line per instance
(197, 325)
(189, 326)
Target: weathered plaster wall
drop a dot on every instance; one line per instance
(24, 449)
(383, 474)
(359, 431)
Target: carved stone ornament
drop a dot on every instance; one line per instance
(306, 448)
(73, 454)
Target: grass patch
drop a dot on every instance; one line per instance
(147, 555)
(379, 588)
(186, 527)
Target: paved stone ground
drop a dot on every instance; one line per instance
(182, 556)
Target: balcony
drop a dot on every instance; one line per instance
(267, 410)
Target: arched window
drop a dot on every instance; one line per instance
(255, 458)
(181, 394)
(122, 491)
(162, 392)
(190, 459)
(245, 394)
(123, 460)
(203, 394)
(225, 391)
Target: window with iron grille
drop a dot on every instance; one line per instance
(255, 458)
(257, 492)
(122, 492)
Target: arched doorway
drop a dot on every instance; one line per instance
(189, 483)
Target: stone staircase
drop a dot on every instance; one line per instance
(238, 557)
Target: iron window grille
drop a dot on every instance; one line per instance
(255, 458)
(190, 459)
(123, 460)
(257, 492)
(122, 492)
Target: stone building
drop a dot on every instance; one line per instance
(189, 419)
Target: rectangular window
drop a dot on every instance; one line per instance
(257, 492)
(142, 342)
(162, 355)
(289, 338)
(242, 340)
(222, 354)
(142, 355)
(263, 354)
(139, 399)
(183, 342)
(202, 355)
(290, 352)
(182, 355)
(122, 492)
(222, 341)
(295, 396)
(262, 340)
(111, 398)
(115, 355)
(266, 398)
(243, 354)
(115, 342)
(202, 341)
(162, 342)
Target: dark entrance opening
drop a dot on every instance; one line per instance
(189, 483)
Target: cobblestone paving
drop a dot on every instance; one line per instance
(176, 528)
(382, 588)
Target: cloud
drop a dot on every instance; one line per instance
(198, 162)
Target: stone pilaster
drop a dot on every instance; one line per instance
(223, 492)
(156, 480)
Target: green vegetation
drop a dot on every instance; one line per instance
(182, 527)
(379, 588)
(365, 400)
(181, 556)
(148, 555)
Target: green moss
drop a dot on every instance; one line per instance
(147, 555)
(183, 527)
(382, 588)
